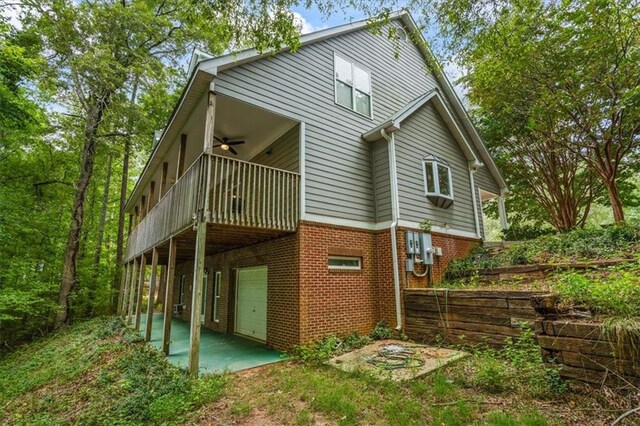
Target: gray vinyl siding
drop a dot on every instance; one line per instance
(422, 134)
(483, 177)
(339, 177)
(282, 153)
(381, 181)
(484, 180)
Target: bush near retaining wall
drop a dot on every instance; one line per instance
(586, 352)
(468, 317)
(583, 349)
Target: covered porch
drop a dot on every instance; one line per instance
(219, 353)
(224, 175)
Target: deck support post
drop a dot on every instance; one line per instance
(502, 212)
(132, 293)
(163, 284)
(127, 291)
(140, 288)
(196, 301)
(123, 289)
(168, 297)
(203, 214)
(152, 292)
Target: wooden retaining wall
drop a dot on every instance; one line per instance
(539, 271)
(467, 317)
(586, 353)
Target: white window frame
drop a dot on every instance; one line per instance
(434, 163)
(352, 86)
(216, 296)
(181, 290)
(357, 267)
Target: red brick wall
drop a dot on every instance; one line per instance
(281, 258)
(306, 300)
(386, 299)
(453, 247)
(335, 301)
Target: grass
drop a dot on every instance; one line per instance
(612, 294)
(611, 242)
(97, 372)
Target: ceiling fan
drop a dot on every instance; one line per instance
(227, 145)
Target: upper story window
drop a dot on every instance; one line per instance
(353, 86)
(438, 182)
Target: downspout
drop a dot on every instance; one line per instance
(395, 215)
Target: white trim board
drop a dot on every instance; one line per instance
(372, 226)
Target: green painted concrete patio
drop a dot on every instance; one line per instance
(219, 352)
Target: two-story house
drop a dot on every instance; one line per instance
(280, 192)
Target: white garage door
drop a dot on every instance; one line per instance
(251, 302)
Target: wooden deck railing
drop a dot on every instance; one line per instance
(249, 194)
(241, 194)
(173, 212)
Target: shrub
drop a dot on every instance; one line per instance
(525, 232)
(517, 367)
(381, 331)
(354, 341)
(329, 346)
(317, 352)
(615, 294)
(580, 244)
(492, 374)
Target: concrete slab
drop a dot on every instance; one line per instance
(219, 353)
(396, 360)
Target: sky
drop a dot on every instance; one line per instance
(310, 20)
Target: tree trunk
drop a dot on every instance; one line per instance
(123, 199)
(614, 199)
(69, 269)
(103, 219)
(96, 257)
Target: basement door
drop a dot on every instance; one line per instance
(251, 302)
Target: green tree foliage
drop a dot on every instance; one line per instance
(103, 48)
(33, 187)
(557, 86)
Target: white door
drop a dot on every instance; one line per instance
(251, 302)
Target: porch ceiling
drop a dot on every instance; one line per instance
(234, 119)
(258, 127)
(219, 238)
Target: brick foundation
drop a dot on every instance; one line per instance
(281, 258)
(335, 301)
(305, 299)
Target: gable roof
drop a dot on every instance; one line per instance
(394, 122)
(224, 62)
(203, 68)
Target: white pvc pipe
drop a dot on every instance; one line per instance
(395, 216)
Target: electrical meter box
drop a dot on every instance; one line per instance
(412, 242)
(426, 249)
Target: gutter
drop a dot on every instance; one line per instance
(395, 216)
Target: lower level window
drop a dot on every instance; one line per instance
(181, 291)
(216, 296)
(345, 262)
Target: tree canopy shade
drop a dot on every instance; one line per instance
(84, 84)
(100, 48)
(557, 87)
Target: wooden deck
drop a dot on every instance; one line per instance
(243, 203)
